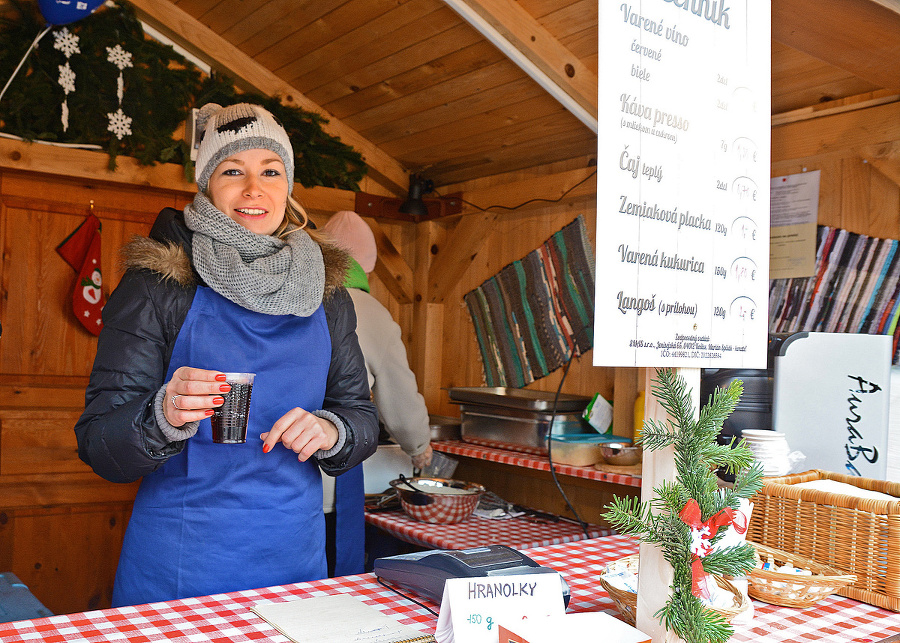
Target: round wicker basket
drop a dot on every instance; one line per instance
(626, 601)
(792, 590)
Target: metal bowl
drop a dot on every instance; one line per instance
(444, 428)
(438, 500)
(621, 454)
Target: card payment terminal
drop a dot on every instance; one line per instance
(424, 572)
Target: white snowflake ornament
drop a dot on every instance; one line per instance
(67, 82)
(119, 123)
(66, 42)
(67, 78)
(119, 57)
(64, 116)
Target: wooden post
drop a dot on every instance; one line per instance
(426, 355)
(655, 576)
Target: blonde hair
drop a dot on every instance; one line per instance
(295, 218)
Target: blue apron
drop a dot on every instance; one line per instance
(224, 517)
(350, 528)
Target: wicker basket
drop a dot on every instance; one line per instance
(626, 601)
(791, 590)
(853, 535)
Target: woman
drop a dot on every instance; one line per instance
(234, 284)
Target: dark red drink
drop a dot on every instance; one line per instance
(229, 421)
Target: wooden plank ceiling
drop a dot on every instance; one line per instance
(416, 88)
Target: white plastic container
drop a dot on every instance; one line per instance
(577, 450)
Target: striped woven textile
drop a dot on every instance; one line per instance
(856, 289)
(537, 311)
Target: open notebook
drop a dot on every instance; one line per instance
(338, 618)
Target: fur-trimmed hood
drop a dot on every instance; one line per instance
(171, 261)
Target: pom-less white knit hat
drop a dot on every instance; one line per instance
(354, 235)
(238, 128)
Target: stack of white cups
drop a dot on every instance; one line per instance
(771, 450)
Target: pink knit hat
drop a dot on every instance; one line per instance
(354, 235)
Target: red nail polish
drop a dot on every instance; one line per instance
(209, 412)
(220, 377)
(265, 448)
(218, 400)
(225, 388)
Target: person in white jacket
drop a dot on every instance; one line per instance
(401, 407)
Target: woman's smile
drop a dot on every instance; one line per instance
(251, 187)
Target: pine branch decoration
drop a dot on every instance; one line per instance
(660, 521)
(160, 89)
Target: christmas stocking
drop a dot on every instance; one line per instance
(81, 250)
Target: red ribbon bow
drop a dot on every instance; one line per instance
(701, 533)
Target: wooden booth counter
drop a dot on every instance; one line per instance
(227, 617)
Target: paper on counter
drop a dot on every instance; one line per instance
(581, 626)
(337, 618)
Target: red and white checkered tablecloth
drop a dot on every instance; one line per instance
(519, 533)
(222, 618)
(227, 617)
(834, 620)
(530, 461)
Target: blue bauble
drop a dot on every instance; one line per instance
(62, 12)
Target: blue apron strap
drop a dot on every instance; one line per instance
(350, 530)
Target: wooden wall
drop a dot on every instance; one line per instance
(61, 526)
(858, 154)
(510, 237)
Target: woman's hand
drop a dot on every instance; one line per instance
(192, 394)
(301, 432)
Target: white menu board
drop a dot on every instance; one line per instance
(683, 183)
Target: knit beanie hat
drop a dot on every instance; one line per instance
(350, 232)
(237, 128)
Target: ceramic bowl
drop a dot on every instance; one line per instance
(621, 454)
(438, 500)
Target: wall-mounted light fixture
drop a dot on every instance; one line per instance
(416, 206)
(418, 187)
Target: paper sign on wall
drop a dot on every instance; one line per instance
(471, 608)
(795, 213)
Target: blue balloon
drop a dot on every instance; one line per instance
(62, 12)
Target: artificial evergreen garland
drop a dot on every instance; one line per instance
(665, 522)
(160, 88)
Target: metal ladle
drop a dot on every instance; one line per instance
(417, 497)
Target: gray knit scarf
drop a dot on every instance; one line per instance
(259, 272)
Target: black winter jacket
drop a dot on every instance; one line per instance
(118, 435)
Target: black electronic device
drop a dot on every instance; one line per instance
(425, 572)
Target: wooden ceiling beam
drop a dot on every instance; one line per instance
(837, 132)
(468, 237)
(858, 36)
(522, 35)
(889, 167)
(884, 157)
(197, 38)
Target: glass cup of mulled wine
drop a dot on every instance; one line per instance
(229, 421)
